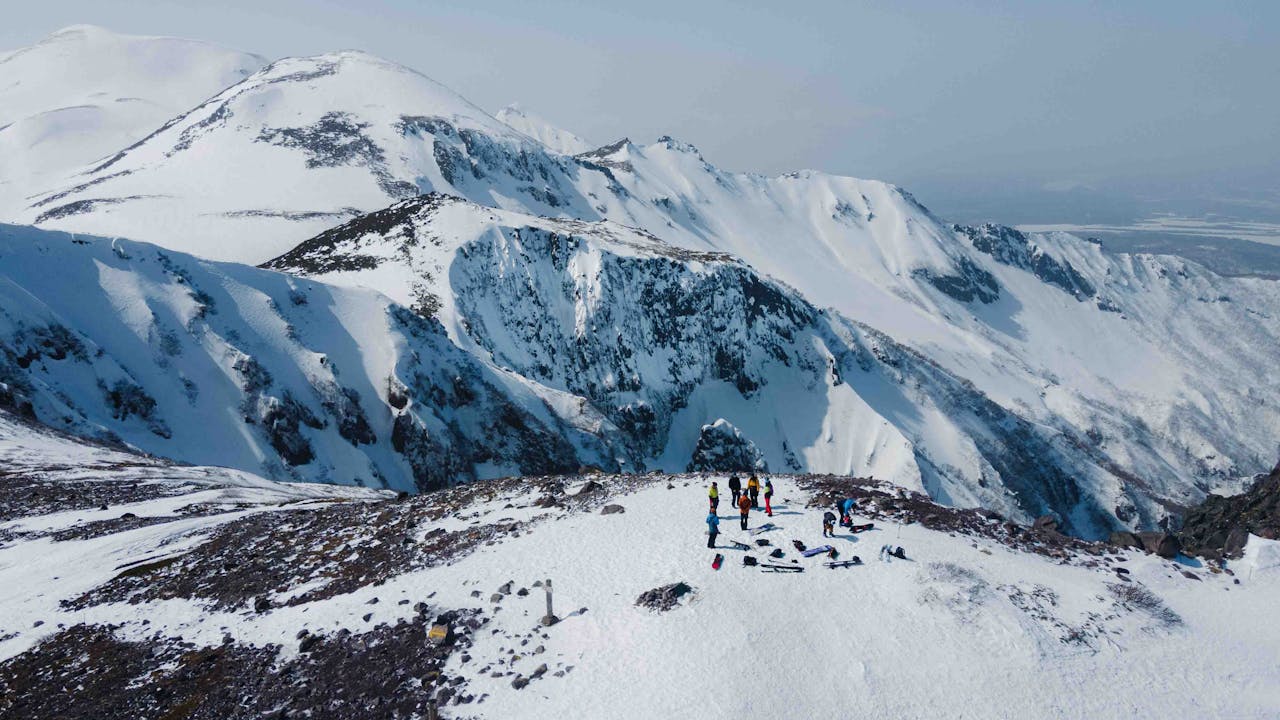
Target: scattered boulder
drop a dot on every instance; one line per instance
(1160, 543)
(1125, 539)
(612, 510)
(661, 599)
(520, 682)
(1046, 522)
(261, 604)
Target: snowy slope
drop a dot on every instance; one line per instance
(285, 377)
(562, 141)
(668, 344)
(1106, 353)
(84, 93)
(230, 592)
(298, 147)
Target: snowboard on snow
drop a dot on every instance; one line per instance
(816, 550)
(861, 528)
(774, 567)
(717, 562)
(855, 560)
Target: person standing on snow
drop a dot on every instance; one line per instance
(753, 489)
(768, 497)
(744, 509)
(714, 496)
(828, 524)
(735, 487)
(713, 528)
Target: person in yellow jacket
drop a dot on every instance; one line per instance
(753, 489)
(714, 495)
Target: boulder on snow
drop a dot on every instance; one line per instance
(612, 510)
(1046, 522)
(1124, 539)
(723, 448)
(1160, 543)
(663, 598)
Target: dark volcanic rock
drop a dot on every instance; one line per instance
(663, 598)
(1220, 526)
(1124, 539)
(612, 510)
(1160, 543)
(389, 671)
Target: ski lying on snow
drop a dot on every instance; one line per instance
(764, 528)
(855, 560)
(773, 567)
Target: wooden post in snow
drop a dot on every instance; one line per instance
(550, 618)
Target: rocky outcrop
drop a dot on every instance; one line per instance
(722, 448)
(1012, 247)
(1220, 526)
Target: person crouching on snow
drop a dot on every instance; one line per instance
(828, 524)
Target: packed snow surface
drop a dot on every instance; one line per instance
(963, 627)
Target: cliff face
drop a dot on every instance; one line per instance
(1220, 526)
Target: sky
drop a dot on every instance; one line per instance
(962, 102)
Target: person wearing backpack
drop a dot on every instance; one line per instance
(744, 509)
(753, 489)
(714, 496)
(828, 524)
(735, 487)
(713, 528)
(768, 497)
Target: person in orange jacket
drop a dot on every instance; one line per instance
(753, 489)
(744, 509)
(714, 496)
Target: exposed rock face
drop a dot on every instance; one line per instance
(1011, 247)
(1220, 526)
(722, 448)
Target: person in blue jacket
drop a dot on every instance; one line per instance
(846, 511)
(713, 529)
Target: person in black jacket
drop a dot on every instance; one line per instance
(735, 488)
(828, 524)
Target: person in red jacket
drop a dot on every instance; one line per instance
(744, 509)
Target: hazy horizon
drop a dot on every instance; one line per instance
(1081, 114)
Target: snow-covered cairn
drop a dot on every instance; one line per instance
(723, 448)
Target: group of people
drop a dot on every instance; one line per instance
(749, 500)
(744, 501)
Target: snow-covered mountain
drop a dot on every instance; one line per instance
(284, 377)
(83, 93)
(132, 588)
(562, 141)
(1148, 375)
